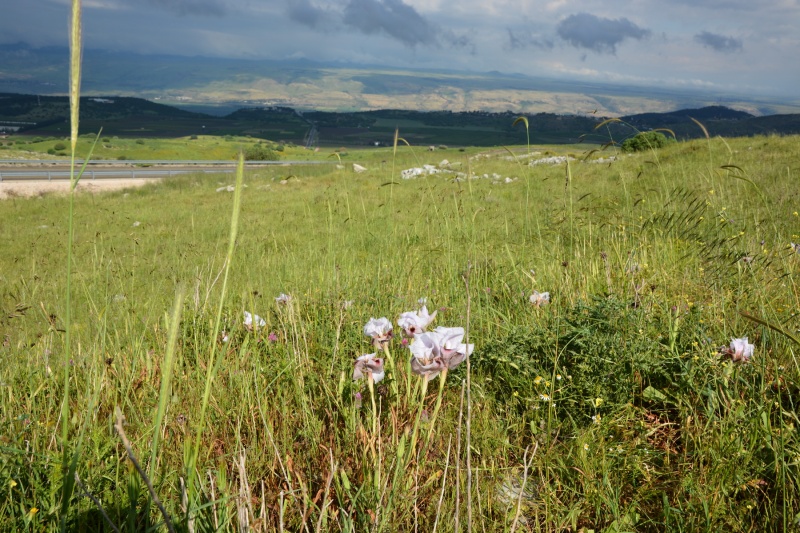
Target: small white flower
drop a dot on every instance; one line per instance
(369, 364)
(347, 304)
(283, 299)
(412, 323)
(379, 329)
(539, 298)
(740, 350)
(225, 337)
(451, 346)
(436, 350)
(251, 321)
(423, 300)
(425, 357)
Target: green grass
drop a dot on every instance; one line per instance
(202, 147)
(631, 419)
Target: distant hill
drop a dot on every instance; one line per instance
(718, 120)
(341, 87)
(136, 117)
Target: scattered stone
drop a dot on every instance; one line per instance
(553, 160)
(425, 170)
(602, 160)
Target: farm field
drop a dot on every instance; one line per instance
(628, 399)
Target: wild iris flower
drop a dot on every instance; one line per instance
(251, 321)
(380, 330)
(369, 364)
(437, 350)
(412, 323)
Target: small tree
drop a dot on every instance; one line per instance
(646, 140)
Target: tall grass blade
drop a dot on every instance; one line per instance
(702, 127)
(773, 327)
(212, 364)
(67, 467)
(166, 380)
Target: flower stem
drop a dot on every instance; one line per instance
(371, 385)
(413, 446)
(377, 467)
(392, 368)
(442, 378)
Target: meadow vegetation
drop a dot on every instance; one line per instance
(185, 356)
(610, 408)
(192, 148)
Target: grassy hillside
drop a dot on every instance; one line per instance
(610, 408)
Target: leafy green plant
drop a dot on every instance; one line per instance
(259, 152)
(646, 140)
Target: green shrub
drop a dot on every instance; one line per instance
(646, 140)
(51, 151)
(608, 352)
(59, 146)
(139, 141)
(122, 158)
(193, 137)
(280, 148)
(260, 153)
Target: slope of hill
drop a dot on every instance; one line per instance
(135, 117)
(717, 120)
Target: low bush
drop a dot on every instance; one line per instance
(259, 152)
(646, 140)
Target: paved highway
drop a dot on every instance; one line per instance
(49, 170)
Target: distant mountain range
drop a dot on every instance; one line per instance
(44, 115)
(717, 120)
(220, 86)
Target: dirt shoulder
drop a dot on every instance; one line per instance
(27, 189)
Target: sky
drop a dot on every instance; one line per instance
(747, 47)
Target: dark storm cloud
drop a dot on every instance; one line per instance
(720, 43)
(602, 35)
(460, 41)
(307, 14)
(392, 17)
(190, 7)
(523, 39)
